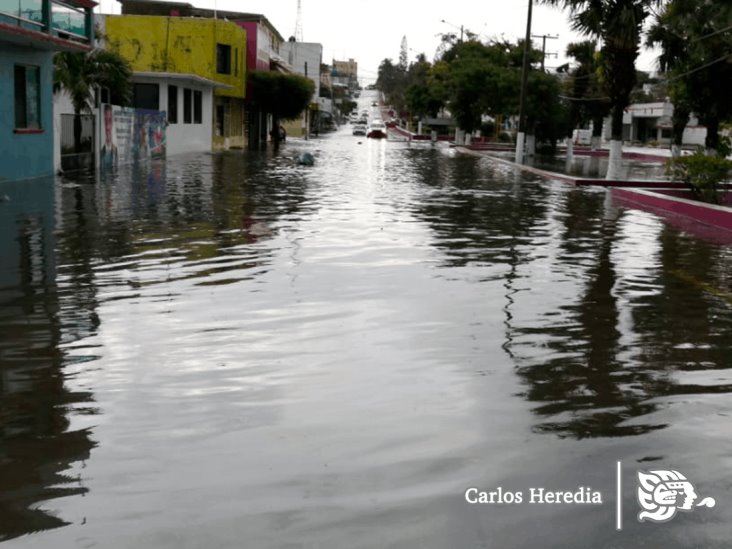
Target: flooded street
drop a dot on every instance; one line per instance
(233, 350)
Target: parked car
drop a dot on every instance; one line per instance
(377, 130)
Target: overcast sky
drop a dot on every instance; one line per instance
(372, 30)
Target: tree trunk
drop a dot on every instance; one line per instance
(615, 162)
(678, 121)
(616, 144)
(77, 132)
(712, 140)
(596, 139)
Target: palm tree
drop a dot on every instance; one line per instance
(618, 24)
(587, 103)
(81, 74)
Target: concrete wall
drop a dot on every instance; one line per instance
(180, 45)
(24, 156)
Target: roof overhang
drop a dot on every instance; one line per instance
(38, 40)
(182, 77)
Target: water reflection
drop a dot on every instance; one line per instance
(594, 342)
(232, 346)
(37, 443)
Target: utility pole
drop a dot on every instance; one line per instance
(521, 135)
(544, 38)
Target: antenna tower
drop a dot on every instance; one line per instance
(298, 22)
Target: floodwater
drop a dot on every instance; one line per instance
(236, 351)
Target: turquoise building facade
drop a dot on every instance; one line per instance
(31, 32)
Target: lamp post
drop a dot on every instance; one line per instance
(461, 28)
(521, 136)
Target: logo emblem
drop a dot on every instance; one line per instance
(663, 492)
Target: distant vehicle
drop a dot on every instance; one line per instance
(374, 104)
(359, 129)
(392, 123)
(377, 130)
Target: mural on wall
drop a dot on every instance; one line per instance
(131, 135)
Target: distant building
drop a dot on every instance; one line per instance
(31, 31)
(305, 58)
(345, 73)
(651, 122)
(191, 68)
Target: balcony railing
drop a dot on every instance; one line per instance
(69, 19)
(51, 16)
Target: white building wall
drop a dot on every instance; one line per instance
(181, 137)
(325, 104)
(61, 105)
(305, 59)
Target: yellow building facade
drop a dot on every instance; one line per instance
(208, 48)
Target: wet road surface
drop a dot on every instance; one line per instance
(233, 350)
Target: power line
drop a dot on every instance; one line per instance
(720, 31)
(687, 73)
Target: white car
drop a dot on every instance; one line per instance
(359, 129)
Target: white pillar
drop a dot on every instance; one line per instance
(615, 162)
(520, 147)
(530, 145)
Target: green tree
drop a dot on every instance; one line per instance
(587, 101)
(696, 41)
(391, 81)
(284, 96)
(425, 94)
(618, 23)
(81, 74)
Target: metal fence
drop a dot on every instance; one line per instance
(71, 157)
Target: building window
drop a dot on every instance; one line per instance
(146, 96)
(223, 59)
(187, 106)
(27, 97)
(172, 104)
(197, 107)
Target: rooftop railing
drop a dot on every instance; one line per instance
(55, 17)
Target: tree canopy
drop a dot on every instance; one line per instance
(696, 41)
(474, 79)
(80, 74)
(285, 96)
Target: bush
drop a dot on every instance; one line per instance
(701, 173)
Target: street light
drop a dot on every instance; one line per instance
(461, 28)
(522, 103)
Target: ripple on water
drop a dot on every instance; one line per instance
(233, 346)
